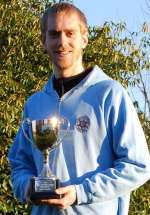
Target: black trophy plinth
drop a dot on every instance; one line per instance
(44, 188)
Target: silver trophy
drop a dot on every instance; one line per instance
(46, 136)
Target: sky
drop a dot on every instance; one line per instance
(133, 12)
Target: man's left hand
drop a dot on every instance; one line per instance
(69, 197)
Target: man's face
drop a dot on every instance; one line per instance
(65, 41)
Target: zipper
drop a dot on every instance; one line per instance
(61, 98)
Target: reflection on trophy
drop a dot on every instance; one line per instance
(46, 137)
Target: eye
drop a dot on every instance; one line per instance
(53, 34)
(70, 33)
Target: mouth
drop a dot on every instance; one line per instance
(62, 52)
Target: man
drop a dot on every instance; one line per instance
(106, 156)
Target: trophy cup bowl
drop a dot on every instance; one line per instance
(45, 135)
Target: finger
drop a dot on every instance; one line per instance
(63, 190)
(51, 201)
(61, 203)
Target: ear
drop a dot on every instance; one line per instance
(44, 47)
(43, 43)
(84, 39)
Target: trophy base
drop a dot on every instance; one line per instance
(44, 188)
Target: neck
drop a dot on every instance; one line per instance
(68, 72)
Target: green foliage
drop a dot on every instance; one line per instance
(21, 73)
(140, 201)
(115, 50)
(146, 126)
(24, 68)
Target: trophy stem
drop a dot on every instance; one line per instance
(46, 156)
(46, 172)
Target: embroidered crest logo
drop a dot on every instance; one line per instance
(83, 124)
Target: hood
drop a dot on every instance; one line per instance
(95, 76)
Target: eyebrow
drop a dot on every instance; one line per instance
(55, 30)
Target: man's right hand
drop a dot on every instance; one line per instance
(28, 191)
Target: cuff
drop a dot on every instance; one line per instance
(83, 196)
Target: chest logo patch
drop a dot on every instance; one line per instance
(83, 124)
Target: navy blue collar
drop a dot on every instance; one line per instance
(63, 85)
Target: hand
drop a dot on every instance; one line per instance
(28, 192)
(69, 197)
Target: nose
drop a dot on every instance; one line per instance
(62, 39)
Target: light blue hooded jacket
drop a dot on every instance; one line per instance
(104, 154)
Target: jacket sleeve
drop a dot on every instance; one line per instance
(21, 164)
(131, 167)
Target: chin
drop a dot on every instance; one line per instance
(63, 66)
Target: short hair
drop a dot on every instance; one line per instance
(58, 8)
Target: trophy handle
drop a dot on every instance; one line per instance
(24, 122)
(64, 128)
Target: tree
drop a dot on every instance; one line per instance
(21, 71)
(142, 87)
(24, 69)
(140, 81)
(113, 48)
(148, 7)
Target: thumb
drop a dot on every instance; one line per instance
(62, 190)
